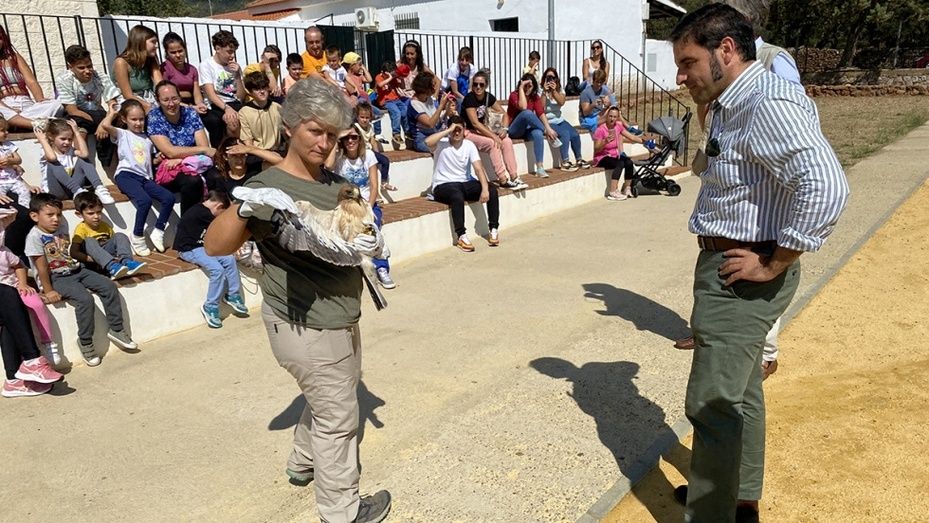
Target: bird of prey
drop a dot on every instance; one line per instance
(329, 235)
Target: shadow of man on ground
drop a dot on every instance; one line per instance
(644, 313)
(630, 425)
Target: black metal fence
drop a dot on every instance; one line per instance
(42, 39)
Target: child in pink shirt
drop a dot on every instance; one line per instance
(608, 153)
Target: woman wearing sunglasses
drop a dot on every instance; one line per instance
(554, 99)
(596, 61)
(479, 107)
(354, 161)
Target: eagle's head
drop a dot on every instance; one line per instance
(350, 192)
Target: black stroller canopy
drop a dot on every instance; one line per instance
(668, 126)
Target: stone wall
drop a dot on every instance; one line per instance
(879, 77)
(39, 40)
(867, 90)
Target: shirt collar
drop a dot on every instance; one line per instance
(758, 43)
(740, 87)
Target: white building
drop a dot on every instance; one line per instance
(620, 23)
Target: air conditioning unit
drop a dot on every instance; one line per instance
(366, 19)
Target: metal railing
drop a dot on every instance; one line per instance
(42, 39)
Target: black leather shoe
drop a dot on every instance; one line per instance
(680, 495)
(745, 514)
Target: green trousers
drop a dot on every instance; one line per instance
(725, 402)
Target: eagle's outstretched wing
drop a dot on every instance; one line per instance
(311, 236)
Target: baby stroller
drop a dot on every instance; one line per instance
(647, 179)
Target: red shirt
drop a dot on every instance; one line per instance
(533, 103)
(388, 93)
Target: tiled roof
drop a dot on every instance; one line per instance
(244, 14)
(257, 3)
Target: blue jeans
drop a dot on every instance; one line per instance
(527, 125)
(383, 165)
(142, 191)
(222, 271)
(419, 142)
(397, 111)
(590, 122)
(569, 137)
(378, 220)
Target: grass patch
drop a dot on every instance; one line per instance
(892, 129)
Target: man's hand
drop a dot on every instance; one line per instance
(233, 66)
(485, 195)
(768, 368)
(231, 117)
(25, 290)
(5, 200)
(743, 264)
(51, 297)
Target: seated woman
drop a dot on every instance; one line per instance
(608, 153)
(596, 62)
(423, 117)
(177, 70)
(135, 70)
(528, 121)
(477, 106)
(177, 132)
(413, 59)
(567, 134)
(21, 96)
(594, 99)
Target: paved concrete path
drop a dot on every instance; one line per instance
(512, 384)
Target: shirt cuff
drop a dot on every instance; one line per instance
(794, 240)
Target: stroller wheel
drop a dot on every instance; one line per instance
(674, 189)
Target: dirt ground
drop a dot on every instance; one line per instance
(847, 417)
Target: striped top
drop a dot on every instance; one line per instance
(776, 177)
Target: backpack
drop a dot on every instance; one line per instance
(573, 87)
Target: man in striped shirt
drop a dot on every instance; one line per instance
(772, 190)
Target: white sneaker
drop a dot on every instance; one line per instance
(139, 247)
(383, 276)
(520, 185)
(616, 196)
(53, 352)
(104, 194)
(87, 352)
(157, 237)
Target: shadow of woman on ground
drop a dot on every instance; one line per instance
(644, 313)
(630, 425)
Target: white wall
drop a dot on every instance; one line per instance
(659, 53)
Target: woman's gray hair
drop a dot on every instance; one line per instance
(755, 10)
(315, 99)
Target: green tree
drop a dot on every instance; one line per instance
(160, 8)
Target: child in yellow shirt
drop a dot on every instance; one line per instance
(94, 240)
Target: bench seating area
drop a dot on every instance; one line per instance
(165, 297)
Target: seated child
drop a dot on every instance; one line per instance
(387, 85)
(27, 372)
(85, 96)
(61, 277)
(532, 67)
(294, 71)
(261, 124)
(222, 270)
(95, 241)
(333, 68)
(134, 174)
(11, 178)
(65, 170)
(363, 115)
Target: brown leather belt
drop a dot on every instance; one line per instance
(718, 243)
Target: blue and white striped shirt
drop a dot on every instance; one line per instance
(776, 177)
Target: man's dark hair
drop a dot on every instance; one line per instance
(76, 53)
(224, 38)
(294, 59)
(256, 80)
(41, 200)
(711, 23)
(86, 200)
(455, 119)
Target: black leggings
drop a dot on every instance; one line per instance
(455, 194)
(623, 163)
(214, 123)
(16, 340)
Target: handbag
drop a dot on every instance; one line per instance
(494, 119)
